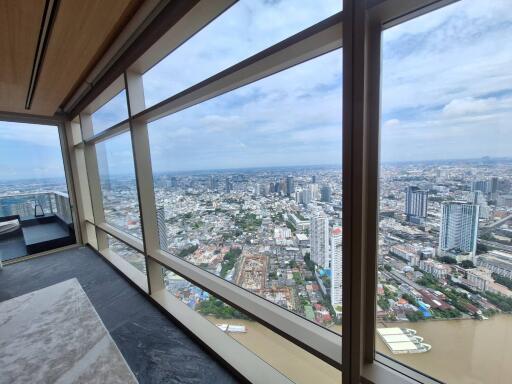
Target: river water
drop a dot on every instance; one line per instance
(294, 362)
(463, 351)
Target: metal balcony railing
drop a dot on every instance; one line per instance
(37, 204)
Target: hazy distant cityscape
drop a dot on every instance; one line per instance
(445, 237)
(445, 240)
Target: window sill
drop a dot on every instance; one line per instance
(387, 371)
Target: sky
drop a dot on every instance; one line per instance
(446, 92)
(29, 151)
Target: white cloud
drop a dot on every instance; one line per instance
(391, 123)
(468, 105)
(40, 135)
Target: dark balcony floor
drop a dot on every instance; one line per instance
(36, 235)
(12, 247)
(155, 348)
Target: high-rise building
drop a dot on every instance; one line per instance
(162, 228)
(493, 188)
(213, 182)
(325, 194)
(313, 179)
(282, 187)
(494, 184)
(314, 191)
(478, 198)
(480, 185)
(174, 182)
(319, 238)
(290, 187)
(459, 228)
(303, 196)
(228, 186)
(336, 266)
(416, 205)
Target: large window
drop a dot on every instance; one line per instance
(260, 340)
(112, 112)
(243, 30)
(118, 186)
(444, 290)
(245, 182)
(35, 213)
(248, 187)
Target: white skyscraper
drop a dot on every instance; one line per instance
(458, 232)
(319, 237)
(416, 205)
(162, 228)
(314, 190)
(336, 266)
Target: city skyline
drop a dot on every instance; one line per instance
(436, 105)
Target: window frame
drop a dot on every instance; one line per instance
(323, 37)
(362, 29)
(66, 135)
(358, 29)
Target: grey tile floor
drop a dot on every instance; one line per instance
(155, 348)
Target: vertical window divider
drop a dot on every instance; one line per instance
(144, 178)
(68, 155)
(361, 87)
(93, 179)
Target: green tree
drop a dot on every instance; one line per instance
(502, 280)
(448, 260)
(467, 264)
(414, 316)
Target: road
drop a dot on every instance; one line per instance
(493, 244)
(405, 280)
(489, 228)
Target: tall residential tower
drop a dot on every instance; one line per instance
(416, 205)
(319, 237)
(336, 266)
(458, 232)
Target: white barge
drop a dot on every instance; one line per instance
(229, 328)
(403, 340)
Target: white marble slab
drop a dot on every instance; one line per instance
(54, 335)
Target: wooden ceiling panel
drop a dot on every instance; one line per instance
(82, 32)
(20, 22)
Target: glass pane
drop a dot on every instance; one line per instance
(118, 186)
(445, 261)
(35, 213)
(248, 187)
(127, 253)
(268, 345)
(242, 31)
(111, 113)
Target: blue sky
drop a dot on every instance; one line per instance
(446, 93)
(29, 151)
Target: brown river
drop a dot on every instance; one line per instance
(295, 363)
(463, 351)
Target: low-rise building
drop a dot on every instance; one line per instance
(435, 268)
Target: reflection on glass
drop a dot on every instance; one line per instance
(33, 191)
(248, 187)
(118, 186)
(243, 30)
(269, 346)
(127, 253)
(445, 261)
(111, 113)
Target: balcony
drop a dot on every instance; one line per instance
(33, 223)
